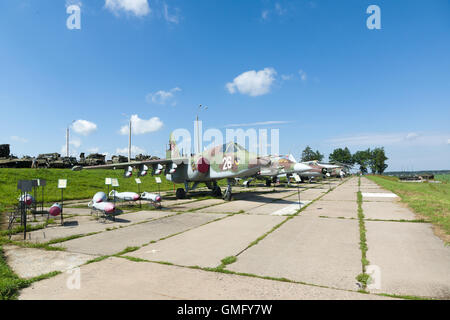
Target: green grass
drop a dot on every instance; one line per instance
(80, 184)
(431, 200)
(363, 278)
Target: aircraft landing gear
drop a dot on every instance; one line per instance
(268, 183)
(180, 194)
(227, 195)
(216, 191)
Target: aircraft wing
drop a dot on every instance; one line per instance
(132, 164)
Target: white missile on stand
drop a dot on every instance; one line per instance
(99, 197)
(124, 196)
(151, 197)
(107, 207)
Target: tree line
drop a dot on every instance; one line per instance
(375, 159)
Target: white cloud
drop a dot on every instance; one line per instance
(76, 143)
(19, 139)
(141, 126)
(387, 139)
(448, 141)
(411, 136)
(139, 8)
(303, 75)
(279, 9)
(84, 127)
(253, 83)
(286, 77)
(163, 97)
(265, 14)
(134, 151)
(172, 18)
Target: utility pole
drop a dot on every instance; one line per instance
(200, 108)
(67, 138)
(129, 144)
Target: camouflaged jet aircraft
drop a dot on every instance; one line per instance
(279, 167)
(317, 169)
(227, 161)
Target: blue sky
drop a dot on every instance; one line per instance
(312, 66)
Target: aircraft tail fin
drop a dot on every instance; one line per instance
(291, 157)
(173, 151)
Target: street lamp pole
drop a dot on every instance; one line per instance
(67, 138)
(200, 108)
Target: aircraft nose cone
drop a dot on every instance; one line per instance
(158, 199)
(136, 197)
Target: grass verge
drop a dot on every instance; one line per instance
(429, 200)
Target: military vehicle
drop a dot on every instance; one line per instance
(8, 160)
(54, 160)
(119, 159)
(227, 161)
(94, 159)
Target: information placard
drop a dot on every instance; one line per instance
(138, 181)
(62, 183)
(158, 179)
(24, 185)
(108, 181)
(297, 178)
(114, 182)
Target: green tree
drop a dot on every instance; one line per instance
(341, 155)
(308, 154)
(378, 161)
(363, 159)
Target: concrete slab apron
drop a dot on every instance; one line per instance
(333, 209)
(195, 205)
(316, 251)
(207, 245)
(111, 242)
(411, 259)
(142, 280)
(386, 211)
(28, 262)
(71, 228)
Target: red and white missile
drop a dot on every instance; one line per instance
(151, 197)
(124, 196)
(107, 207)
(55, 210)
(99, 197)
(27, 199)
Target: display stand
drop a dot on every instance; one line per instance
(62, 184)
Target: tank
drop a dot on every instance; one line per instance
(8, 160)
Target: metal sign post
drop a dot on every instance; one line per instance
(62, 184)
(108, 182)
(158, 182)
(24, 186)
(42, 184)
(298, 180)
(138, 181)
(115, 184)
